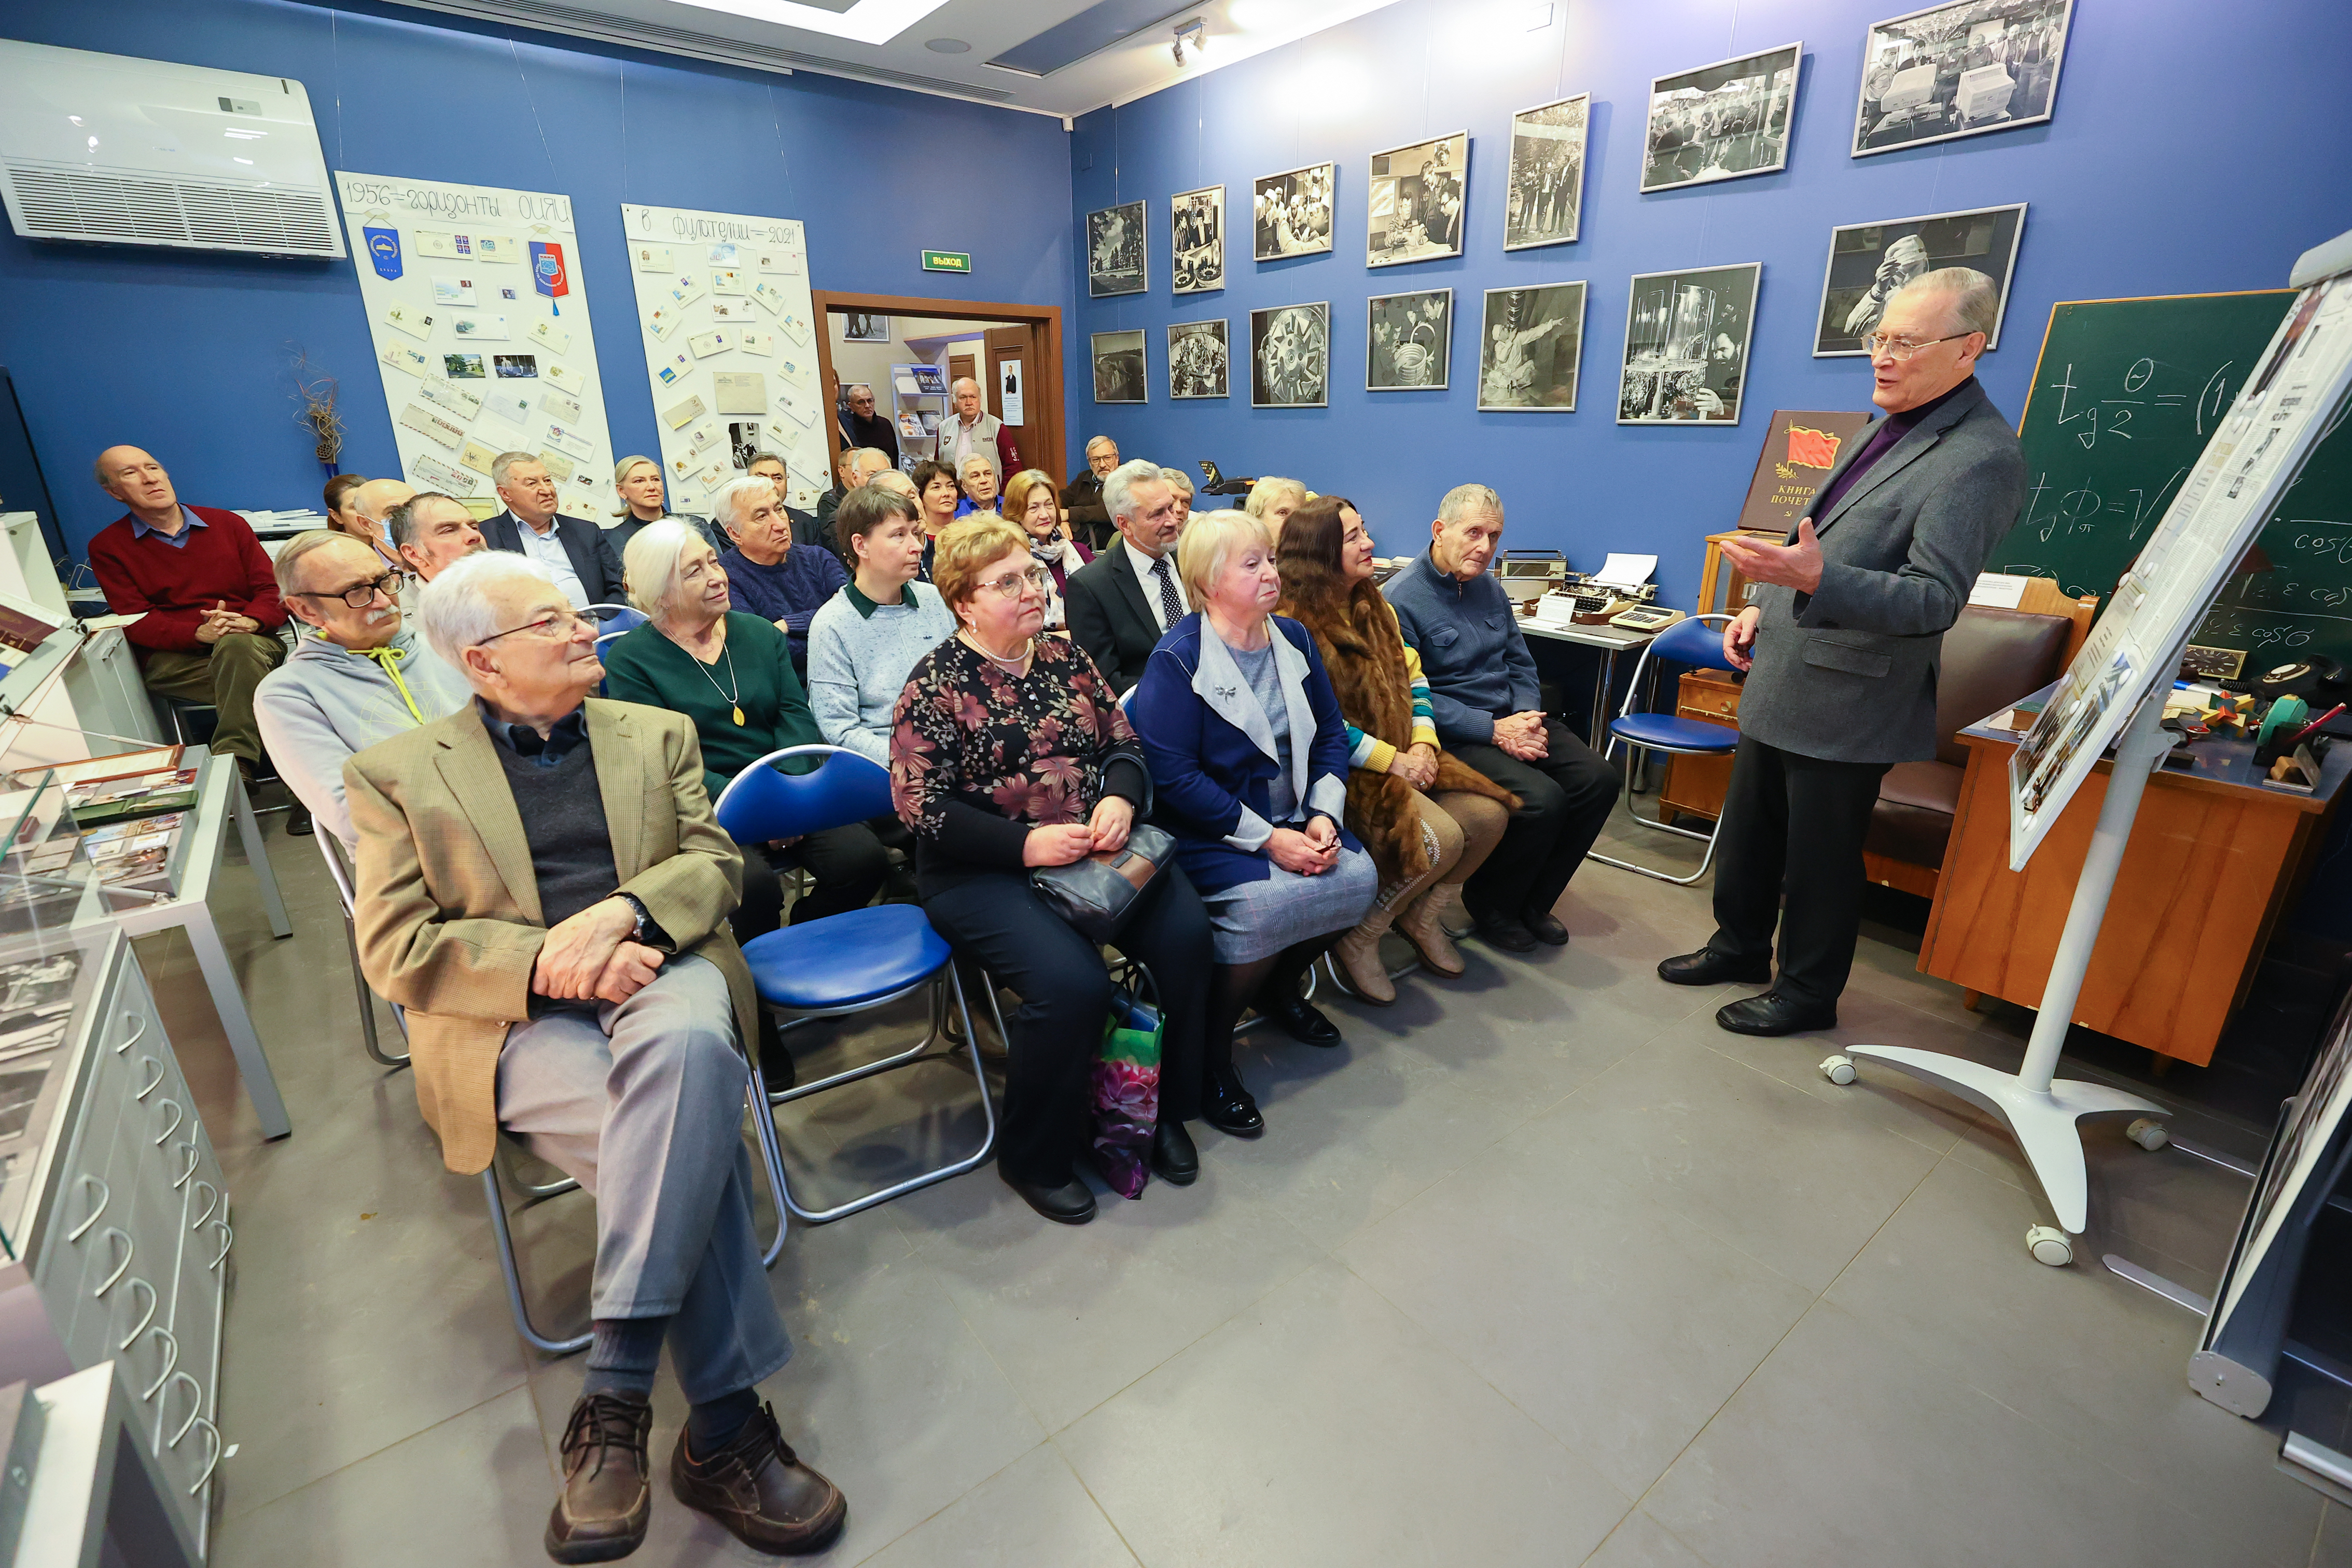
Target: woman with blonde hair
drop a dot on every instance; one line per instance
(1031, 505)
(1272, 501)
(1429, 818)
(1249, 754)
(643, 500)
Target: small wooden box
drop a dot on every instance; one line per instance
(1695, 785)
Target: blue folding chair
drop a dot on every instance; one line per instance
(848, 963)
(619, 622)
(1698, 642)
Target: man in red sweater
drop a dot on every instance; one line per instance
(205, 595)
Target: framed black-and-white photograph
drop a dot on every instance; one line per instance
(1530, 347)
(1196, 226)
(1408, 341)
(1868, 262)
(1722, 121)
(1290, 356)
(858, 327)
(1119, 368)
(1290, 214)
(1547, 183)
(1417, 201)
(1198, 360)
(1686, 337)
(1115, 250)
(1960, 69)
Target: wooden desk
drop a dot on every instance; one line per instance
(2213, 858)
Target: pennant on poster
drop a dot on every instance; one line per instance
(384, 249)
(547, 274)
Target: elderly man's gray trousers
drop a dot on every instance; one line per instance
(642, 1103)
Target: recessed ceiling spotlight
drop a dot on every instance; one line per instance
(948, 47)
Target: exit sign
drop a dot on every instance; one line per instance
(947, 261)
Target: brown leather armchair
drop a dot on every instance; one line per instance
(1990, 659)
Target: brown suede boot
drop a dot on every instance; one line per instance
(1422, 924)
(1358, 955)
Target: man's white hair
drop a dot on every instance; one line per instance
(734, 500)
(650, 564)
(1118, 486)
(455, 611)
(1464, 499)
(962, 381)
(1100, 440)
(1974, 299)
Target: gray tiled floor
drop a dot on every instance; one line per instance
(1540, 1267)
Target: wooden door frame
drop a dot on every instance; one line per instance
(1046, 318)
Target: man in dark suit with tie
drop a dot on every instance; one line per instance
(573, 548)
(1841, 649)
(1121, 601)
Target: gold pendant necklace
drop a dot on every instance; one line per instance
(734, 696)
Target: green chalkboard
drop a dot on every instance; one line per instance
(2126, 395)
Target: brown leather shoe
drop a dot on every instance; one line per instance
(607, 1495)
(760, 1490)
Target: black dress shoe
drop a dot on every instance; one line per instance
(1773, 1013)
(1507, 932)
(607, 1498)
(297, 820)
(1227, 1106)
(1544, 927)
(1174, 1160)
(1708, 967)
(758, 1487)
(1302, 1021)
(1072, 1203)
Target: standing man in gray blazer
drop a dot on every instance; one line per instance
(1841, 647)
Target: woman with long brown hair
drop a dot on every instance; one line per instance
(1428, 819)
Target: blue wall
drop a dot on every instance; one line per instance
(2172, 166)
(187, 354)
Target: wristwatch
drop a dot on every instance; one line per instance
(645, 916)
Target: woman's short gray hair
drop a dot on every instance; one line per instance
(455, 611)
(1974, 302)
(649, 565)
(737, 497)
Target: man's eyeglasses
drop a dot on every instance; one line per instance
(554, 624)
(1900, 349)
(1010, 585)
(359, 595)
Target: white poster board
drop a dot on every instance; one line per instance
(729, 335)
(478, 312)
(2281, 413)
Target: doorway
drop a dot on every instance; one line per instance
(1013, 351)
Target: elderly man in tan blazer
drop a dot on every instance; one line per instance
(544, 888)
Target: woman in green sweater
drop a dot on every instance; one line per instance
(731, 673)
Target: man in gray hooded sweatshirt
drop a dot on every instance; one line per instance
(357, 676)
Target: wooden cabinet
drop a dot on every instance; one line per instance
(1695, 785)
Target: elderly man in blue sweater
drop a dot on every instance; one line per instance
(1489, 712)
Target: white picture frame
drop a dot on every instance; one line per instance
(1703, 120)
(1937, 107)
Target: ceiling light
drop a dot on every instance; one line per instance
(947, 46)
(245, 160)
(75, 118)
(1190, 32)
(240, 133)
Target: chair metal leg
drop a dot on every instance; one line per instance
(523, 1324)
(920, 1053)
(1708, 838)
(771, 1157)
(367, 1005)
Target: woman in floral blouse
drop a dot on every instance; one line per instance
(1009, 753)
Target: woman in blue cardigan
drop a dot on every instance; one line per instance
(1249, 762)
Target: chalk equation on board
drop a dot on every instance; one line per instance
(2152, 402)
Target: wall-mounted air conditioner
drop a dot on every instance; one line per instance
(119, 150)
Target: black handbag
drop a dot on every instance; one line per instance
(1097, 893)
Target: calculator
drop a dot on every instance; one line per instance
(1646, 618)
